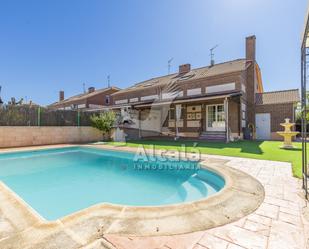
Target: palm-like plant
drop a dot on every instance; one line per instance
(104, 122)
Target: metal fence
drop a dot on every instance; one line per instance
(304, 107)
(11, 115)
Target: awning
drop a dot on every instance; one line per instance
(168, 102)
(180, 101)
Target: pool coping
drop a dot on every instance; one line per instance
(241, 196)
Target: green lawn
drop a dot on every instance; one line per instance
(266, 150)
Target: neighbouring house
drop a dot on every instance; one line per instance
(92, 99)
(218, 102)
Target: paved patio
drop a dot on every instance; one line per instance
(279, 223)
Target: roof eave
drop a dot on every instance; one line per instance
(86, 96)
(181, 82)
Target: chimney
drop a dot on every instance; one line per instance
(61, 95)
(185, 68)
(91, 89)
(250, 78)
(250, 48)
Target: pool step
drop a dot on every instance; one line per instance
(195, 187)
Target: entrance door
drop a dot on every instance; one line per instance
(262, 122)
(215, 118)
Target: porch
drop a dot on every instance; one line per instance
(201, 119)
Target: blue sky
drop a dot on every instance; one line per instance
(46, 46)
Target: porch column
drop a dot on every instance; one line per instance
(177, 118)
(203, 118)
(226, 113)
(175, 122)
(240, 119)
(139, 124)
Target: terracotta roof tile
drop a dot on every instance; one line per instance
(278, 97)
(197, 73)
(83, 96)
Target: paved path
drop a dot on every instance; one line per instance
(277, 224)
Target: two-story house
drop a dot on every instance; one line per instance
(92, 99)
(221, 101)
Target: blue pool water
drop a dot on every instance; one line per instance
(58, 182)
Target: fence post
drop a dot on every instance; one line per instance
(39, 116)
(78, 118)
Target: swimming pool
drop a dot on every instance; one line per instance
(58, 182)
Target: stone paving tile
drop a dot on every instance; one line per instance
(122, 242)
(186, 241)
(289, 210)
(212, 242)
(259, 219)
(268, 210)
(264, 180)
(240, 236)
(291, 219)
(274, 191)
(99, 244)
(287, 195)
(257, 227)
(277, 201)
(239, 223)
(197, 246)
(233, 246)
(285, 236)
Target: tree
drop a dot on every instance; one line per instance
(104, 122)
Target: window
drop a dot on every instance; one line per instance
(220, 113)
(182, 113)
(172, 113)
(107, 99)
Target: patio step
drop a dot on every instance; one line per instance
(213, 136)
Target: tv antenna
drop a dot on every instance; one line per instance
(84, 87)
(169, 65)
(108, 81)
(212, 55)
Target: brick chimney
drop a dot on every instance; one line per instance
(185, 68)
(91, 89)
(61, 95)
(250, 78)
(250, 48)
